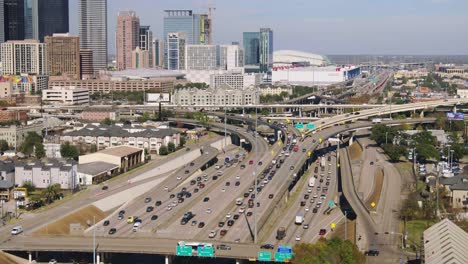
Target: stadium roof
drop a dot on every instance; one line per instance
(294, 56)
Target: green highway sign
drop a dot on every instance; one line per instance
(264, 256)
(299, 126)
(184, 251)
(310, 126)
(205, 252)
(282, 257)
(331, 203)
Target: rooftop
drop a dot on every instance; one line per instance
(125, 131)
(445, 242)
(120, 151)
(45, 165)
(147, 73)
(96, 168)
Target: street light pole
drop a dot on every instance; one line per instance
(255, 175)
(94, 239)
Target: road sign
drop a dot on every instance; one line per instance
(331, 203)
(333, 225)
(284, 249)
(299, 126)
(264, 256)
(310, 126)
(282, 257)
(372, 204)
(309, 153)
(205, 252)
(183, 251)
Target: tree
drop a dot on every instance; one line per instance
(383, 134)
(183, 141)
(69, 151)
(163, 150)
(30, 187)
(145, 117)
(4, 145)
(93, 148)
(458, 151)
(39, 151)
(424, 138)
(107, 121)
(31, 140)
(394, 152)
(170, 147)
(330, 251)
(51, 192)
(426, 152)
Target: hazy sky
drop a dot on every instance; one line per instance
(320, 26)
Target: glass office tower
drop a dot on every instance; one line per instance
(266, 49)
(251, 41)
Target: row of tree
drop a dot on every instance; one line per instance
(332, 251)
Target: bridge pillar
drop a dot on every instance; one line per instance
(29, 257)
(98, 258)
(351, 139)
(454, 109)
(168, 260)
(421, 115)
(300, 112)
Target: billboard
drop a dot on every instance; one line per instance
(455, 116)
(158, 97)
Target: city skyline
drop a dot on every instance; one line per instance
(418, 27)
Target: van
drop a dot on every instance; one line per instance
(136, 226)
(17, 230)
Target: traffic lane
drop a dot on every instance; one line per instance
(368, 171)
(217, 201)
(138, 207)
(282, 176)
(232, 208)
(310, 217)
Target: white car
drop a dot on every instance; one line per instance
(168, 208)
(315, 195)
(306, 209)
(179, 178)
(223, 190)
(298, 238)
(309, 190)
(228, 215)
(208, 211)
(241, 210)
(212, 234)
(166, 188)
(237, 177)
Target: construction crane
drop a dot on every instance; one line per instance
(208, 22)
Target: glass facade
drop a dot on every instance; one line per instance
(266, 49)
(48, 17)
(251, 42)
(13, 19)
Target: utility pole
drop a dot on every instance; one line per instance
(94, 239)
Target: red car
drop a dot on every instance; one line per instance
(251, 162)
(322, 232)
(223, 232)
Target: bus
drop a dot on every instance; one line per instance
(195, 245)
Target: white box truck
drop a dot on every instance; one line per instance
(299, 219)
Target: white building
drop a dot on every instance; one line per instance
(463, 93)
(43, 175)
(213, 57)
(235, 81)
(24, 57)
(52, 150)
(310, 76)
(222, 96)
(66, 95)
(175, 51)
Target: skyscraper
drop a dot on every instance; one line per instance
(140, 58)
(175, 51)
(93, 30)
(196, 27)
(63, 55)
(127, 38)
(46, 17)
(28, 26)
(157, 48)
(2, 22)
(146, 38)
(266, 49)
(251, 41)
(13, 19)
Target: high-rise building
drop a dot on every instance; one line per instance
(175, 51)
(2, 22)
(13, 19)
(157, 53)
(251, 41)
(93, 30)
(127, 38)
(86, 64)
(266, 49)
(213, 57)
(140, 58)
(63, 55)
(24, 57)
(146, 39)
(196, 27)
(45, 17)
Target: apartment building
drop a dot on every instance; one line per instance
(44, 174)
(15, 135)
